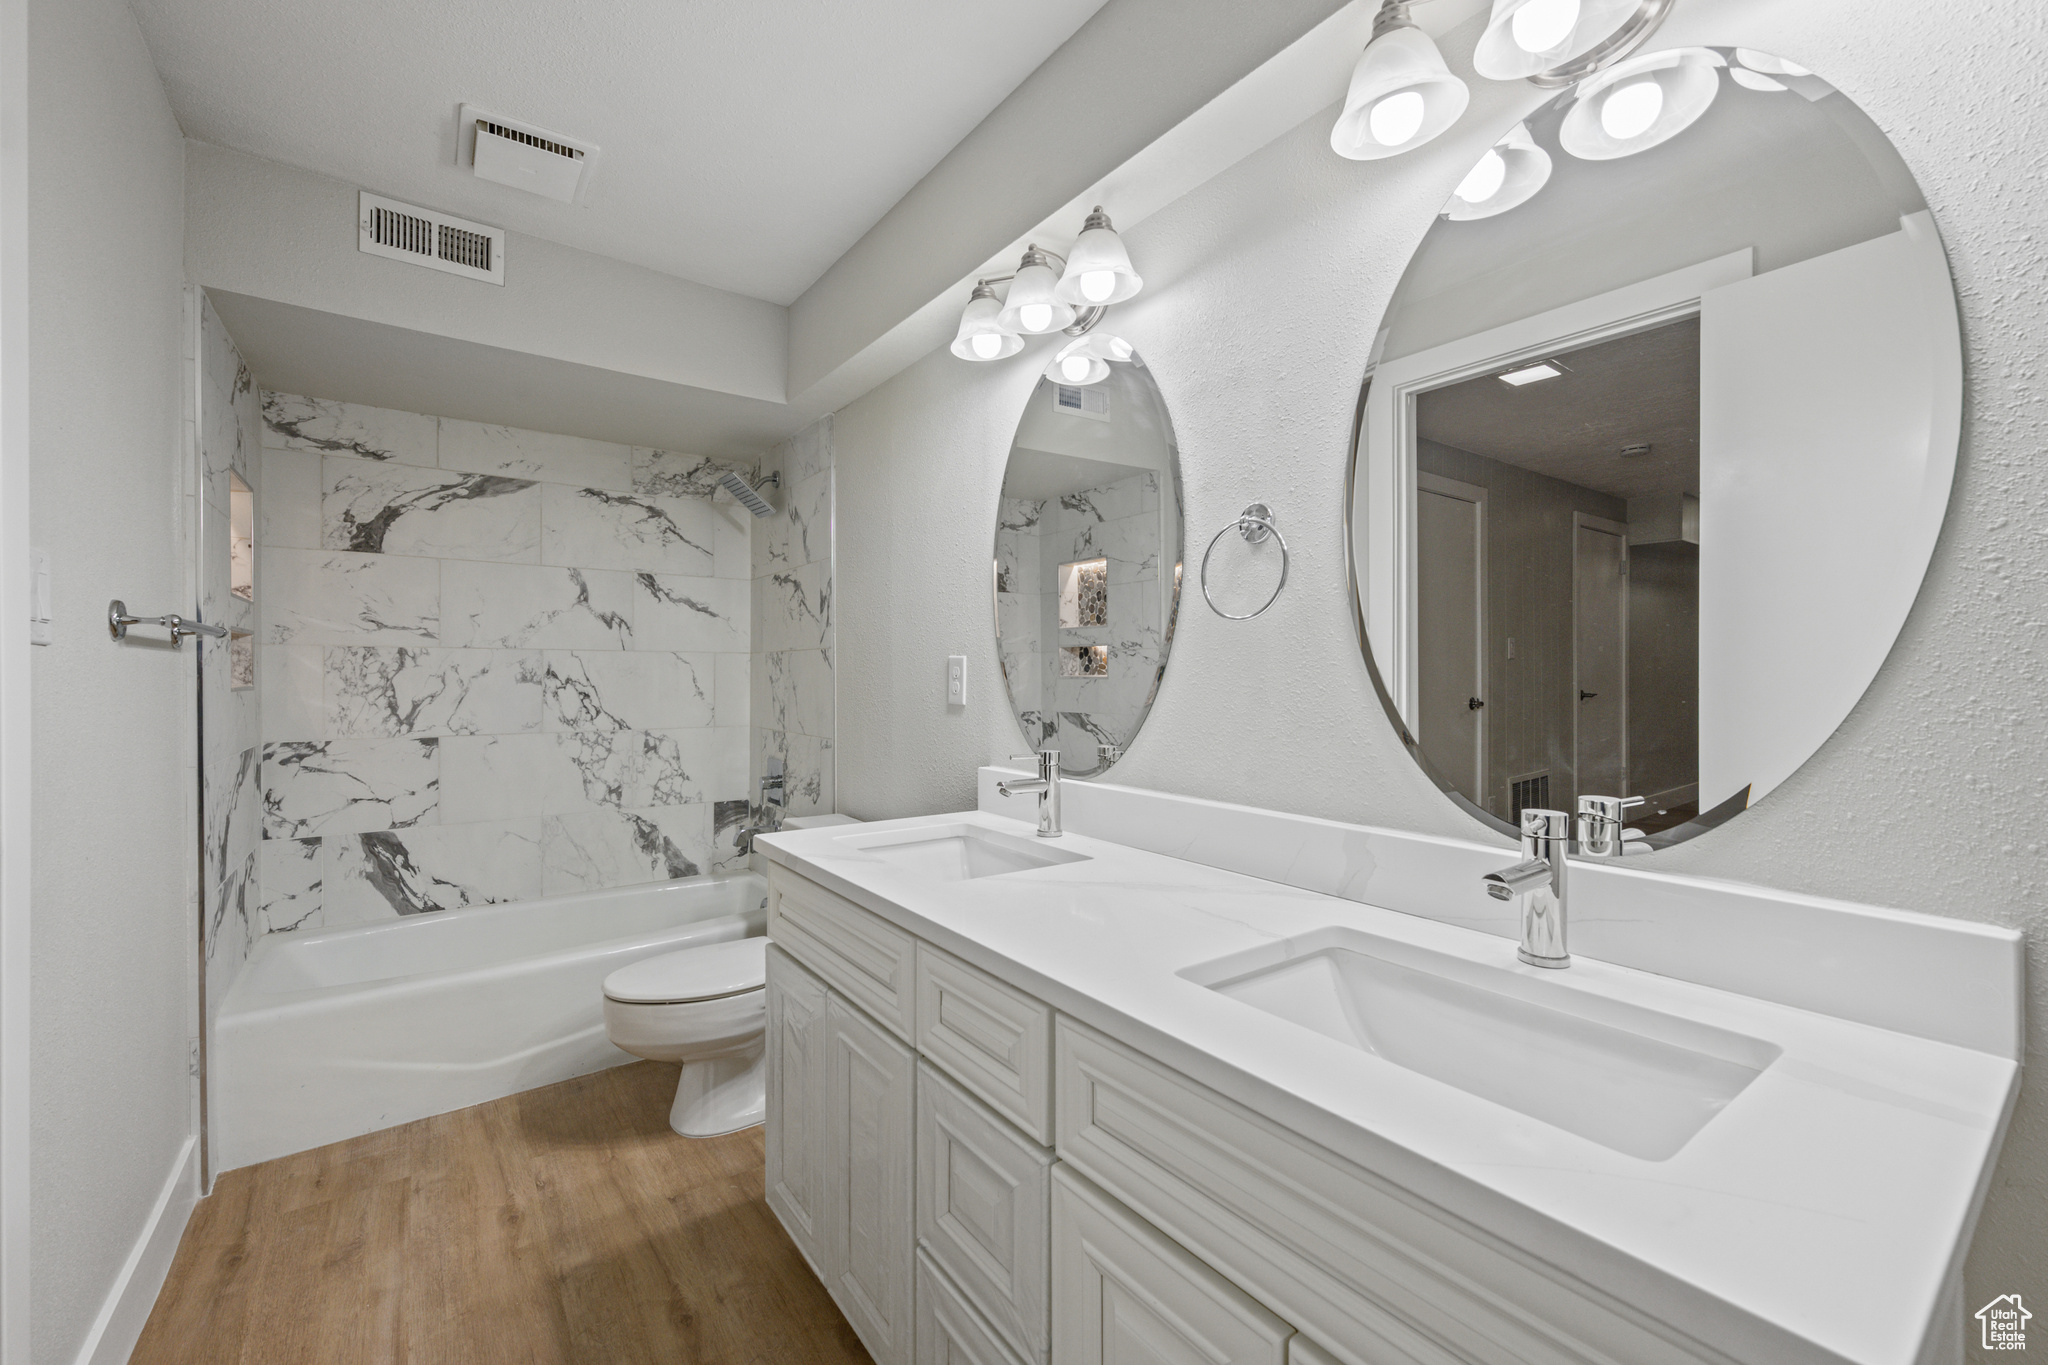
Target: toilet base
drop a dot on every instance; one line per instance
(721, 1095)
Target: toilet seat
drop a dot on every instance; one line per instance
(710, 972)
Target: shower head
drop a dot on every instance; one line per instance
(745, 493)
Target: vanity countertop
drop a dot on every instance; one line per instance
(1828, 1201)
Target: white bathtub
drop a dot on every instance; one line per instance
(330, 1034)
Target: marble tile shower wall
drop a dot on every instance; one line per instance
(225, 424)
(495, 664)
(794, 699)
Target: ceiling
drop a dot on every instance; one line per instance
(1642, 388)
(743, 146)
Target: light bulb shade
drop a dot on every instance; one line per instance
(981, 336)
(1687, 78)
(1098, 269)
(1577, 29)
(1524, 169)
(1031, 308)
(1399, 61)
(1085, 359)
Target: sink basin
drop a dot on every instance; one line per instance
(958, 853)
(1631, 1079)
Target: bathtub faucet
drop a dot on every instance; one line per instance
(771, 800)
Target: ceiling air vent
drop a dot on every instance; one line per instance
(406, 232)
(523, 156)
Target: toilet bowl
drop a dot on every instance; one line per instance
(706, 1008)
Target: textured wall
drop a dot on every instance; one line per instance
(495, 664)
(1263, 291)
(114, 855)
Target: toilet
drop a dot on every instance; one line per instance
(706, 1008)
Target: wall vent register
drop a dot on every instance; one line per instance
(406, 232)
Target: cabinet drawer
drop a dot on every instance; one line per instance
(1377, 1275)
(991, 1037)
(1124, 1294)
(949, 1330)
(858, 953)
(983, 1208)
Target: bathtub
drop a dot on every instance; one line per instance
(334, 1033)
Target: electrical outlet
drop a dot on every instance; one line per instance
(956, 680)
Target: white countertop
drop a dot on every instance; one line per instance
(1828, 1201)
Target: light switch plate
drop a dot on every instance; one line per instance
(956, 680)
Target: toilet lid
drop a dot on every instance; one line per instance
(703, 973)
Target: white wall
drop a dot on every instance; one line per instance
(261, 228)
(1264, 290)
(114, 854)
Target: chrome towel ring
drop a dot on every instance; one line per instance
(1255, 523)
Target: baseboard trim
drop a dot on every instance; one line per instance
(121, 1318)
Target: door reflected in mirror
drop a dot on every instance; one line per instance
(1087, 564)
(1654, 449)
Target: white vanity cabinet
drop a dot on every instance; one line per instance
(1125, 1294)
(841, 1092)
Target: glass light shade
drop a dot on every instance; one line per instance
(1523, 169)
(1378, 121)
(1098, 268)
(1031, 308)
(1767, 64)
(1085, 359)
(981, 336)
(1567, 30)
(1756, 80)
(1615, 116)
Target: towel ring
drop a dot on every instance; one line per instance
(1255, 523)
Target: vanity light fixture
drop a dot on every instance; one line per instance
(1507, 176)
(1401, 96)
(981, 334)
(1085, 359)
(1553, 43)
(1532, 374)
(1641, 103)
(1032, 309)
(1072, 299)
(1098, 268)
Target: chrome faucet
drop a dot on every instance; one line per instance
(1539, 882)
(1600, 824)
(1046, 784)
(771, 801)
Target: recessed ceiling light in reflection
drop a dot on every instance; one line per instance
(1507, 176)
(1756, 80)
(1532, 374)
(1767, 64)
(1641, 103)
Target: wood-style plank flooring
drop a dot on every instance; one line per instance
(564, 1225)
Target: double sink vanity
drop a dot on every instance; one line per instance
(1232, 1086)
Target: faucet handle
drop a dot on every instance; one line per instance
(1545, 824)
(1607, 807)
(1600, 824)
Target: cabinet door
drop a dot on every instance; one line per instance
(1126, 1294)
(991, 1037)
(949, 1330)
(983, 1195)
(869, 1092)
(796, 1092)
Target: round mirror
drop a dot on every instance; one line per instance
(1655, 445)
(1088, 564)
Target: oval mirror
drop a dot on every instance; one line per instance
(1088, 564)
(1655, 444)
